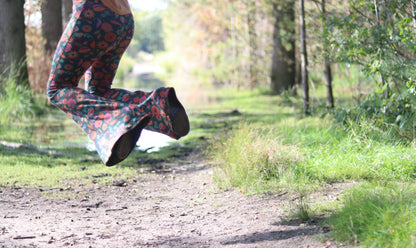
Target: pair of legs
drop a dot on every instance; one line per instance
(92, 45)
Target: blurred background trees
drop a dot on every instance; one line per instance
(246, 44)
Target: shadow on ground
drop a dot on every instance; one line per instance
(273, 236)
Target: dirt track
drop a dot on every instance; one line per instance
(178, 208)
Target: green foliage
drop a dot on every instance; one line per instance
(148, 34)
(380, 38)
(377, 116)
(377, 216)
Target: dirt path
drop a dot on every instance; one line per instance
(180, 208)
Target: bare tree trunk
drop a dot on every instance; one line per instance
(51, 23)
(252, 36)
(328, 83)
(66, 11)
(305, 84)
(235, 79)
(283, 75)
(383, 80)
(327, 65)
(12, 40)
(377, 13)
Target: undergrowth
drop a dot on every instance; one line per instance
(18, 102)
(380, 117)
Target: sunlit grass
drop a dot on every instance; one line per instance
(317, 151)
(351, 159)
(27, 168)
(329, 153)
(377, 216)
(256, 161)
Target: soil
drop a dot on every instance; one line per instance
(177, 205)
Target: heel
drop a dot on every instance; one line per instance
(177, 114)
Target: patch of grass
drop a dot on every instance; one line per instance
(28, 168)
(328, 152)
(18, 102)
(25, 167)
(357, 158)
(299, 209)
(256, 161)
(377, 216)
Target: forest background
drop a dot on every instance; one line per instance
(328, 85)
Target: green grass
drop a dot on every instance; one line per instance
(16, 101)
(355, 159)
(326, 152)
(377, 216)
(256, 161)
(270, 147)
(28, 168)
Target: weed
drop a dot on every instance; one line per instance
(299, 209)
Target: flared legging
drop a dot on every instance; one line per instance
(92, 45)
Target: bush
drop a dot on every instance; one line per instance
(392, 117)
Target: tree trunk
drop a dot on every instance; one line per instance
(235, 79)
(283, 75)
(12, 39)
(252, 37)
(66, 11)
(51, 23)
(327, 65)
(328, 83)
(305, 84)
(380, 16)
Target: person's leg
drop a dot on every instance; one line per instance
(108, 123)
(100, 75)
(167, 114)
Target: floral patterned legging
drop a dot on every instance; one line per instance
(92, 45)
